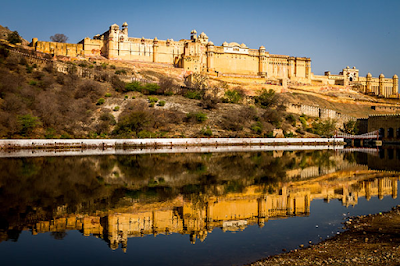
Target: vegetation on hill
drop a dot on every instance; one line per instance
(39, 102)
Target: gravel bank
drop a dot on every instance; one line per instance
(368, 240)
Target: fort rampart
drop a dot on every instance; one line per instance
(315, 111)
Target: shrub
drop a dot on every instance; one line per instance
(27, 123)
(108, 117)
(289, 135)
(112, 66)
(266, 98)
(273, 117)
(291, 119)
(206, 131)
(257, 128)
(50, 133)
(193, 95)
(199, 117)
(210, 102)
(152, 99)
(324, 128)
(161, 103)
(133, 86)
(120, 71)
(151, 89)
(116, 108)
(14, 38)
(32, 82)
(145, 134)
(234, 96)
(29, 69)
(126, 97)
(118, 84)
(100, 101)
(303, 122)
(107, 94)
(133, 122)
(269, 134)
(350, 127)
(167, 86)
(103, 65)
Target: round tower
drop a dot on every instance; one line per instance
(395, 84)
(381, 87)
(34, 41)
(155, 49)
(369, 79)
(210, 56)
(261, 62)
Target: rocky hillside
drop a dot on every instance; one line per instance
(5, 31)
(99, 98)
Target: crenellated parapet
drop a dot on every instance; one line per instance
(380, 86)
(197, 54)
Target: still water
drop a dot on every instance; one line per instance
(186, 208)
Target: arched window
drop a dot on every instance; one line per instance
(390, 154)
(381, 133)
(382, 153)
(390, 133)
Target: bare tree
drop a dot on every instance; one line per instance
(58, 37)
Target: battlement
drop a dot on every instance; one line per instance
(197, 54)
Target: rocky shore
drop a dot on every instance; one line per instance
(368, 240)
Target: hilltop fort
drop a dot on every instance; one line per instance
(199, 54)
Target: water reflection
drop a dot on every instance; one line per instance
(120, 197)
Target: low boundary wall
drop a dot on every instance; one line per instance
(161, 150)
(167, 142)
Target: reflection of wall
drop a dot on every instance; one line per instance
(230, 212)
(387, 159)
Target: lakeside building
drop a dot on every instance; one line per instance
(199, 54)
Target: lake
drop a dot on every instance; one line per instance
(213, 208)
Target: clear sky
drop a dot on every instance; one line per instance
(334, 34)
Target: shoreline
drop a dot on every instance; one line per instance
(372, 239)
(15, 153)
(17, 144)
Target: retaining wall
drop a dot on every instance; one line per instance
(89, 143)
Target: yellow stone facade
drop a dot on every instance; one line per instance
(380, 86)
(196, 54)
(230, 212)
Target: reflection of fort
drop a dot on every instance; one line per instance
(199, 215)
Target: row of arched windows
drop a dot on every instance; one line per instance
(389, 133)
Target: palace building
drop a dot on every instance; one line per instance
(199, 54)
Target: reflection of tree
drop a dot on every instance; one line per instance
(58, 235)
(323, 159)
(35, 187)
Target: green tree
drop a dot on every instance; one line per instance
(266, 99)
(133, 123)
(14, 37)
(233, 96)
(350, 127)
(27, 123)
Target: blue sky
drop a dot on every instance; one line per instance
(334, 34)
